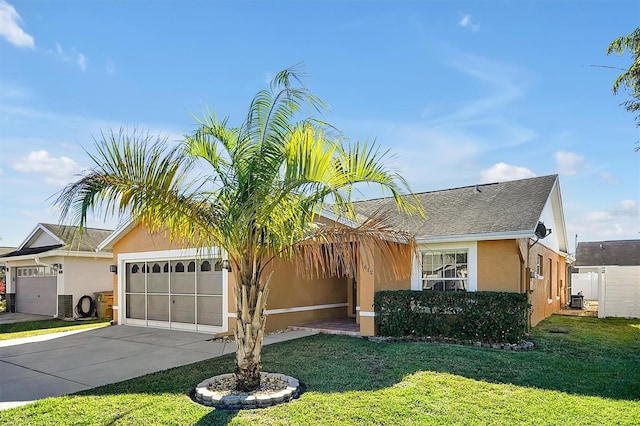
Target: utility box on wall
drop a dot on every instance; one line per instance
(104, 304)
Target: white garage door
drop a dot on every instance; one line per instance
(184, 294)
(36, 290)
(621, 292)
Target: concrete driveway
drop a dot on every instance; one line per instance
(75, 361)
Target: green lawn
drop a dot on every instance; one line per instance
(36, 328)
(584, 371)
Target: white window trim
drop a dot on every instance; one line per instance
(472, 262)
(180, 254)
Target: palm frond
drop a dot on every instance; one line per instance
(334, 250)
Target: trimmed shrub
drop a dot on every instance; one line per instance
(494, 317)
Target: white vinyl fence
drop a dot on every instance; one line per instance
(620, 292)
(585, 282)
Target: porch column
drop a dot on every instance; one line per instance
(366, 290)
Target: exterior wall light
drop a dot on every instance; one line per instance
(226, 265)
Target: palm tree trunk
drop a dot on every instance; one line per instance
(250, 324)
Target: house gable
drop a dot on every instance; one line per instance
(41, 237)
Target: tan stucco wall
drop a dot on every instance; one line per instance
(288, 291)
(502, 267)
(373, 276)
(543, 303)
(498, 266)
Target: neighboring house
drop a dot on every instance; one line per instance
(609, 271)
(476, 238)
(3, 269)
(54, 267)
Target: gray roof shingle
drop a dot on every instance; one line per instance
(619, 252)
(487, 208)
(88, 240)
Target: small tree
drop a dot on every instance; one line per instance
(630, 78)
(258, 198)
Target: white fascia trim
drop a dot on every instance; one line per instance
(61, 253)
(332, 216)
(367, 314)
(297, 309)
(507, 235)
(115, 235)
(564, 243)
(169, 254)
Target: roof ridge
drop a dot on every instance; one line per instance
(459, 187)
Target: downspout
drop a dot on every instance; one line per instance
(55, 269)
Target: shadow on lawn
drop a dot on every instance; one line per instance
(589, 357)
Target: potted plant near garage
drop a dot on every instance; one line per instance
(253, 189)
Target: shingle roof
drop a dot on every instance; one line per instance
(88, 240)
(619, 252)
(69, 236)
(512, 206)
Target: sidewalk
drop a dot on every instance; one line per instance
(51, 365)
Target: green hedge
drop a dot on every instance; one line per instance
(478, 316)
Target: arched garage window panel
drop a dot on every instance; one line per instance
(182, 282)
(135, 280)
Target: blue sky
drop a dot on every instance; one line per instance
(463, 92)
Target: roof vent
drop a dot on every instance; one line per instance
(478, 188)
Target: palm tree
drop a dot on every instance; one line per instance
(254, 190)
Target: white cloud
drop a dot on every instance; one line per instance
(82, 61)
(502, 172)
(466, 22)
(621, 221)
(10, 27)
(73, 55)
(568, 163)
(607, 177)
(56, 171)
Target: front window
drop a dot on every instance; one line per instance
(445, 270)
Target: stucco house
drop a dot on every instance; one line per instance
(506, 236)
(54, 267)
(609, 272)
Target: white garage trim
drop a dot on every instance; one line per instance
(36, 290)
(166, 255)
